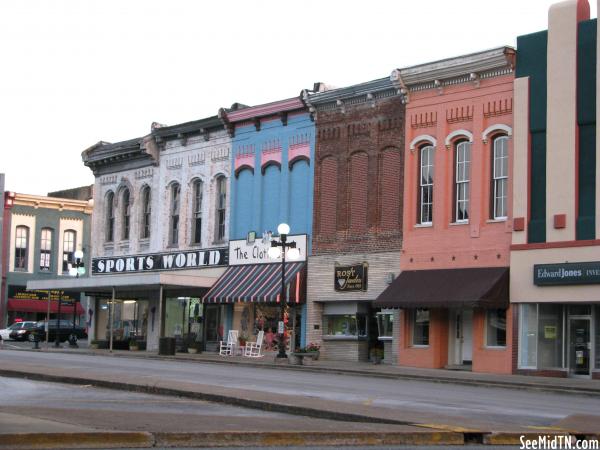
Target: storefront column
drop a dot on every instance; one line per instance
(111, 312)
(161, 313)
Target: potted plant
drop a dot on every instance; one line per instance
(133, 345)
(195, 347)
(242, 340)
(94, 344)
(376, 355)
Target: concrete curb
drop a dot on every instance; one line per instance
(262, 405)
(21, 441)
(573, 390)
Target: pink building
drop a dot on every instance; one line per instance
(453, 288)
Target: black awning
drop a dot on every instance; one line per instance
(485, 287)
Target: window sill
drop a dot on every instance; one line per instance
(385, 338)
(332, 337)
(457, 224)
(419, 346)
(423, 225)
(173, 246)
(494, 347)
(497, 220)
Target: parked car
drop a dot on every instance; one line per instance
(5, 333)
(65, 330)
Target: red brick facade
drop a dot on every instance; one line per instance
(359, 178)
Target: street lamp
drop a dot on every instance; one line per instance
(278, 248)
(76, 269)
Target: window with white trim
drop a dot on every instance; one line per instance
(69, 241)
(420, 326)
(125, 214)
(221, 207)
(146, 212)
(110, 217)
(21, 247)
(462, 171)
(500, 178)
(45, 249)
(197, 213)
(495, 321)
(174, 216)
(426, 169)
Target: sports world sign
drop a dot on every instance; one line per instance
(161, 261)
(351, 278)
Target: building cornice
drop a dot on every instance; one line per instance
(60, 204)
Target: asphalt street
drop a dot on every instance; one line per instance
(468, 405)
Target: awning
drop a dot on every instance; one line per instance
(41, 306)
(259, 283)
(485, 287)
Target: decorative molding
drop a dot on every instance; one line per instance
(390, 124)
(498, 107)
(197, 159)
(460, 114)
(455, 134)
(147, 172)
(359, 129)
(423, 120)
(108, 179)
(329, 134)
(422, 138)
(220, 154)
(496, 127)
(175, 163)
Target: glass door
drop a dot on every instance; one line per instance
(579, 346)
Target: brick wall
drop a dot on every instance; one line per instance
(359, 178)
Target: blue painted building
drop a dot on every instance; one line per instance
(272, 166)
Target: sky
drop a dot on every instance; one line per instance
(74, 72)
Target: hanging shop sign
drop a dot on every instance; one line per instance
(245, 251)
(567, 273)
(351, 278)
(160, 261)
(20, 293)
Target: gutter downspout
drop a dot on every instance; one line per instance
(111, 312)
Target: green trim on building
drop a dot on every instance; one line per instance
(586, 119)
(532, 62)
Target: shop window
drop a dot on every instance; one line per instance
(110, 217)
(500, 178)
(426, 169)
(496, 328)
(125, 214)
(130, 319)
(146, 211)
(597, 337)
(580, 310)
(45, 249)
(420, 327)
(528, 336)
(220, 210)
(550, 332)
(197, 213)
(69, 237)
(462, 171)
(385, 325)
(21, 247)
(174, 215)
(345, 325)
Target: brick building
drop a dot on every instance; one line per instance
(453, 288)
(357, 231)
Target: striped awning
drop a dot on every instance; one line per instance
(259, 283)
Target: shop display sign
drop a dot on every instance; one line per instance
(245, 251)
(567, 273)
(160, 261)
(351, 278)
(21, 293)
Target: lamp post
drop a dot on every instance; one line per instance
(74, 270)
(278, 248)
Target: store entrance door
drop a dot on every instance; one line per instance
(460, 342)
(212, 327)
(580, 347)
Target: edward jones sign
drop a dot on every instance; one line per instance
(567, 273)
(160, 261)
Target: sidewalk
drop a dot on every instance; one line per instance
(549, 384)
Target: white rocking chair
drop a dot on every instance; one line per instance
(253, 349)
(227, 348)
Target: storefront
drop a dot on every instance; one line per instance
(248, 294)
(454, 318)
(342, 318)
(24, 305)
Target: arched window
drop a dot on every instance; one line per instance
(462, 174)
(174, 214)
(69, 242)
(499, 188)
(197, 213)
(110, 217)
(146, 212)
(221, 208)
(426, 169)
(21, 247)
(45, 249)
(125, 214)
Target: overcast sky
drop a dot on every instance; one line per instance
(74, 72)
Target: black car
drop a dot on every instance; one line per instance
(64, 331)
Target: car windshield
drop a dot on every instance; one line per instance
(15, 326)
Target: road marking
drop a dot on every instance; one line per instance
(441, 426)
